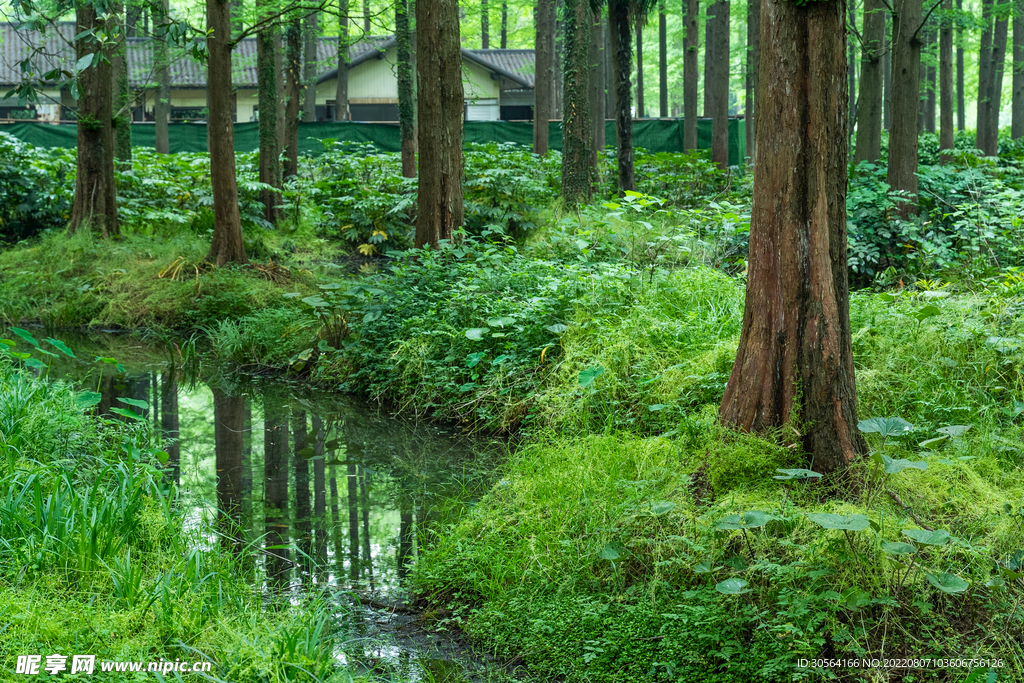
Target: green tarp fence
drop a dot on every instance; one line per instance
(654, 135)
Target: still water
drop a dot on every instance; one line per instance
(326, 493)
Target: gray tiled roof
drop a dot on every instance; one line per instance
(518, 64)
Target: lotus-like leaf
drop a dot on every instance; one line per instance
(827, 520)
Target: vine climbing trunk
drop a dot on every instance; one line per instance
(406, 108)
(794, 365)
(122, 96)
(267, 77)
(577, 135)
(293, 94)
(618, 25)
(310, 37)
(691, 73)
(946, 133)
(162, 60)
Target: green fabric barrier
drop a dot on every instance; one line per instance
(654, 135)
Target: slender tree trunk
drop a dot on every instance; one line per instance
(795, 357)
(406, 123)
(640, 111)
(366, 17)
(485, 26)
(440, 98)
(984, 75)
(275, 490)
(341, 112)
(720, 86)
(1017, 103)
(228, 430)
(906, 69)
(310, 37)
(227, 246)
(618, 18)
(662, 63)
(691, 72)
(545, 60)
(597, 81)
(162, 106)
(267, 77)
(995, 97)
(709, 58)
(577, 134)
(504, 25)
(931, 103)
(869, 103)
(95, 203)
(887, 81)
(556, 71)
(946, 133)
(851, 75)
(293, 95)
(281, 96)
(753, 61)
(609, 68)
(122, 98)
(961, 96)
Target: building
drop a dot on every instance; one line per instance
(498, 84)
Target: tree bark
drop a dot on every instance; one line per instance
(597, 81)
(227, 246)
(753, 61)
(618, 25)
(341, 112)
(946, 133)
(930, 98)
(267, 78)
(851, 75)
(122, 98)
(984, 75)
(961, 97)
(228, 430)
(545, 65)
(310, 37)
(662, 63)
(795, 357)
(995, 97)
(366, 17)
(577, 151)
(293, 95)
(504, 25)
(887, 81)
(95, 203)
(406, 123)
(640, 112)
(169, 422)
(691, 72)
(709, 58)
(485, 26)
(440, 99)
(869, 103)
(1017, 104)
(906, 66)
(720, 86)
(162, 59)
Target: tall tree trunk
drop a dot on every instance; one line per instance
(931, 103)
(267, 77)
(946, 133)
(275, 490)
(577, 150)
(545, 61)
(366, 17)
(406, 123)
(293, 94)
(281, 98)
(795, 356)
(310, 37)
(485, 26)
(906, 69)
(691, 72)
(753, 61)
(720, 86)
(440, 98)
(95, 203)
(162, 59)
(984, 75)
(618, 25)
(1017, 103)
(303, 506)
(995, 97)
(640, 112)
(556, 71)
(961, 96)
(228, 430)
(887, 80)
(504, 25)
(122, 98)
(851, 75)
(341, 112)
(662, 63)
(869, 103)
(709, 58)
(169, 422)
(227, 246)
(597, 81)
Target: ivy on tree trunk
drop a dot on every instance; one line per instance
(577, 135)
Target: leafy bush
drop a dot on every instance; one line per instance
(35, 190)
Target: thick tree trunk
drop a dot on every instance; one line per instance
(906, 69)
(95, 203)
(984, 75)
(946, 133)
(485, 26)
(310, 37)
(691, 72)
(640, 112)
(227, 246)
(281, 97)
(869, 103)
(577, 152)
(122, 99)
(162, 59)
(267, 77)
(618, 25)
(662, 63)
(597, 81)
(1017, 104)
(228, 430)
(545, 66)
(504, 25)
(753, 61)
(341, 112)
(406, 106)
(720, 86)
(795, 357)
(293, 95)
(440, 99)
(961, 96)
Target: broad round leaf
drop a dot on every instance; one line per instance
(796, 474)
(732, 587)
(947, 583)
(744, 520)
(898, 548)
(588, 376)
(662, 507)
(937, 537)
(827, 520)
(896, 465)
(953, 431)
(612, 551)
(885, 426)
(476, 333)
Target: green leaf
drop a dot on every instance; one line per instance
(500, 322)
(110, 361)
(26, 336)
(885, 426)
(59, 345)
(473, 358)
(84, 62)
(127, 413)
(796, 474)
(744, 520)
(613, 551)
(314, 301)
(947, 583)
(162, 456)
(662, 507)
(35, 363)
(931, 443)
(1014, 410)
(656, 407)
(87, 399)
(588, 376)
(954, 431)
(896, 465)
(557, 328)
(898, 548)
(134, 402)
(937, 537)
(827, 520)
(928, 311)
(732, 587)
(705, 568)
(476, 333)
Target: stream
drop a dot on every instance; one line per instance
(327, 493)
